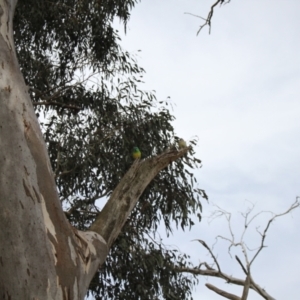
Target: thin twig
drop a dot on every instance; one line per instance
(209, 16)
(263, 235)
(211, 253)
(241, 264)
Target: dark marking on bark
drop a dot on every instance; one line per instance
(26, 171)
(8, 295)
(9, 45)
(28, 272)
(26, 126)
(1, 261)
(1, 13)
(21, 204)
(7, 89)
(125, 190)
(66, 293)
(37, 195)
(127, 201)
(27, 190)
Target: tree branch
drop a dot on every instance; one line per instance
(246, 286)
(112, 217)
(211, 253)
(209, 16)
(241, 264)
(55, 103)
(264, 234)
(248, 283)
(229, 279)
(222, 293)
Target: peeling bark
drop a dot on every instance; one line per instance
(41, 255)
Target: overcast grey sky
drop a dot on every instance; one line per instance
(238, 91)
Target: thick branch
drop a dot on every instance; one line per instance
(111, 219)
(229, 279)
(222, 293)
(246, 287)
(212, 273)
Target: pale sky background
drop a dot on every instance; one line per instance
(238, 91)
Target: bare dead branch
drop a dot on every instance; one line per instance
(210, 252)
(205, 270)
(263, 235)
(209, 271)
(228, 278)
(209, 16)
(222, 293)
(227, 215)
(232, 243)
(195, 16)
(246, 286)
(241, 264)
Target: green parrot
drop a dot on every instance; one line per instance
(136, 153)
(182, 144)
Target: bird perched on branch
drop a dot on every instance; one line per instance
(182, 144)
(136, 153)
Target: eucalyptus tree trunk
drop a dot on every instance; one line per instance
(41, 255)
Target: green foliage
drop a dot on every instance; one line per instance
(145, 272)
(86, 91)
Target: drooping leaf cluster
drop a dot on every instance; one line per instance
(86, 91)
(149, 273)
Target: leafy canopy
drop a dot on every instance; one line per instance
(86, 92)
